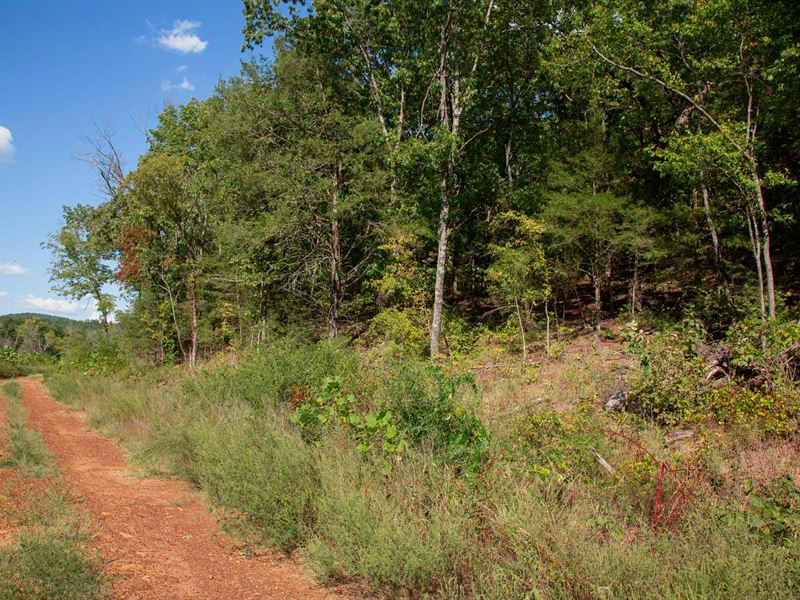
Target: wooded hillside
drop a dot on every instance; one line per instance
(406, 171)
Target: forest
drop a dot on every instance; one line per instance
(398, 173)
(468, 298)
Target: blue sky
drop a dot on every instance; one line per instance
(66, 65)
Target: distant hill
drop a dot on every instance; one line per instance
(57, 322)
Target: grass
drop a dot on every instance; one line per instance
(8, 370)
(537, 518)
(27, 451)
(47, 557)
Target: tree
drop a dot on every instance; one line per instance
(80, 265)
(164, 235)
(518, 278)
(447, 65)
(328, 187)
(722, 59)
(590, 231)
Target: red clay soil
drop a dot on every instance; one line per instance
(156, 539)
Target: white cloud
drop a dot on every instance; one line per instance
(11, 269)
(7, 150)
(86, 308)
(185, 84)
(182, 38)
(56, 305)
(3, 294)
(182, 69)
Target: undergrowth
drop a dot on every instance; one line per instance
(379, 470)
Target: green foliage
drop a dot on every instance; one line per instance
(13, 368)
(773, 413)
(431, 409)
(773, 511)
(102, 359)
(80, 258)
(770, 348)
(560, 447)
(404, 327)
(331, 407)
(33, 343)
(671, 383)
(283, 372)
(517, 275)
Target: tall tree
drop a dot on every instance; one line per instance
(721, 58)
(80, 265)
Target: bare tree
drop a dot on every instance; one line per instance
(103, 157)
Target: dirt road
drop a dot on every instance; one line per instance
(156, 539)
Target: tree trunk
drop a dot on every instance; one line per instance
(193, 324)
(755, 242)
(522, 333)
(547, 330)
(261, 333)
(509, 156)
(441, 259)
(635, 302)
(712, 228)
(336, 256)
(765, 246)
(174, 317)
(598, 301)
(444, 197)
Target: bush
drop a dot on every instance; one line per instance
(433, 409)
(280, 372)
(671, 383)
(405, 329)
(559, 447)
(773, 413)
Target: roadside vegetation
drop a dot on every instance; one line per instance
(44, 550)
(426, 480)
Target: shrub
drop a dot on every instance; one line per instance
(275, 374)
(404, 328)
(774, 511)
(774, 413)
(432, 409)
(671, 383)
(560, 446)
(333, 408)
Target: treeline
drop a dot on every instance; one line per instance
(34, 333)
(405, 170)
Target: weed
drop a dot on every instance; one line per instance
(43, 566)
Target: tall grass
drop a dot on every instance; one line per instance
(27, 451)
(420, 524)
